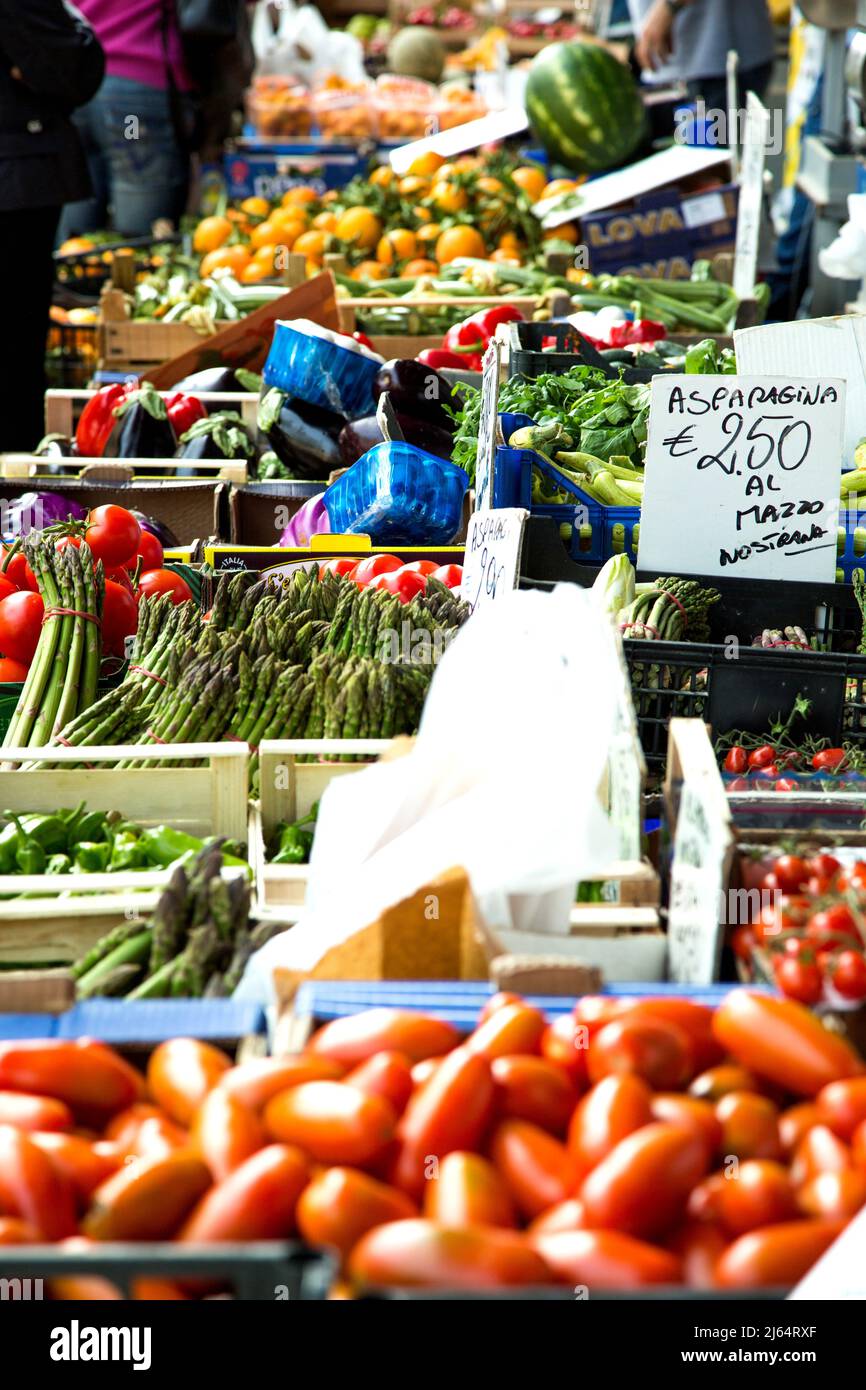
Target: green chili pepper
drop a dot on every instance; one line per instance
(30, 857)
(59, 864)
(127, 852)
(93, 826)
(92, 857)
(294, 846)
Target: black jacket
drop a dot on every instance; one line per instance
(61, 63)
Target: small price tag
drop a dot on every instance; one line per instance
(702, 846)
(487, 428)
(751, 196)
(491, 563)
(498, 125)
(742, 477)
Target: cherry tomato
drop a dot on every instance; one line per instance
(743, 942)
(180, 1073)
(147, 1200)
(824, 865)
(256, 1202)
(613, 1109)
(113, 534)
(515, 1028)
(149, 551)
(699, 1245)
(156, 582)
(842, 1106)
(849, 975)
(791, 872)
(424, 1254)
(119, 617)
(833, 926)
(358, 1036)
(762, 757)
(783, 1041)
(365, 570)
(833, 1194)
(606, 1260)
(756, 1193)
(332, 1122)
(786, 784)
(341, 1205)
(719, 1081)
(654, 1049)
(225, 1132)
(799, 979)
(20, 625)
(642, 1186)
(403, 584)
(769, 772)
(819, 1151)
(853, 878)
(388, 1075)
(776, 1256)
(468, 1191)
(537, 1169)
(564, 1041)
(450, 575)
(691, 1113)
(829, 760)
(92, 1079)
(340, 564)
(736, 760)
(12, 670)
(795, 1122)
(33, 1188)
(531, 1088)
(450, 1111)
(740, 784)
(750, 1125)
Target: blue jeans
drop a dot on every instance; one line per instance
(139, 171)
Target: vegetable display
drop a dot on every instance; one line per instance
(420, 1158)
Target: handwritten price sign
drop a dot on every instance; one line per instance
(743, 476)
(491, 562)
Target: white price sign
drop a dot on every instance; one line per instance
(702, 845)
(491, 562)
(841, 1271)
(742, 477)
(487, 428)
(751, 196)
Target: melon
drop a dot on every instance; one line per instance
(417, 52)
(584, 106)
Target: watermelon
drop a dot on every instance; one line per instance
(584, 106)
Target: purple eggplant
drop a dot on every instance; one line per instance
(222, 435)
(143, 429)
(419, 391)
(360, 435)
(303, 436)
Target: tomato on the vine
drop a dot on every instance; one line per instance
(743, 941)
(764, 756)
(853, 878)
(149, 552)
(155, 582)
(829, 760)
(833, 926)
(341, 564)
(799, 978)
(11, 670)
(403, 584)
(786, 784)
(849, 975)
(824, 865)
(113, 534)
(736, 760)
(791, 872)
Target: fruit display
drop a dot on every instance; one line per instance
(584, 106)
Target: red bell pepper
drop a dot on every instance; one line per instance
(97, 419)
(488, 320)
(437, 358)
(468, 340)
(363, 339)
(638, 331)
(183, 411)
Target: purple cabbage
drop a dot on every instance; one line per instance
(309, 520)
(34, 510)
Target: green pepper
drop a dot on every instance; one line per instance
(30, 857)
(59, 864)
(93, 826)
(294, 846)
(127, 852)
(163, 845)
(92, 857)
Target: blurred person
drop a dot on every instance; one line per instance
(689, 41)
(50, 63)
(139, 128)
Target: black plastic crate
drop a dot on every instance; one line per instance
(527, 357)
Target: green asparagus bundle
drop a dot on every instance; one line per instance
(669, 610)
(62, 679)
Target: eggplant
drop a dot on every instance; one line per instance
(143, 429)
(164, 534)
(360, 435)
(220, 379)
(222, 435)
(304, 437)
(54, 448)
(419, 391)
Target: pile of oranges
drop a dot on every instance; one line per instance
(387, 225)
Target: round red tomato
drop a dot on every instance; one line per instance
(11, 670)
(799, 978)
(155, 582)
(20, 625)
(853, 878)
(341, 564)
(849, 975)
(113, 534)
(833, 926)
(149, 552)
(655, 1049)
(6, 587)
(421, 567)
(368, 569)
(403, 584)
(452, 575)
(119, 617)
(791, 872)
(19, 573)
(824, 865)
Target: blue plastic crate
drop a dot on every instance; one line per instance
(148, 1021)
(851, 554)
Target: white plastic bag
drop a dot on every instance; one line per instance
(303, 46)
(845, 258)
(503, 780)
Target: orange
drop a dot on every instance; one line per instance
(557, 186)
(531, 180)
(234, 258)
(489, 185)
(466, 161)
(332, 196)
(509, 241)
(429, 233)
(312, 244)
(399, 245)
(76, 245)
(255, 207)
(267, 233)
(459, 241)
(412, 185)
(289, 217)
(426, 164)
(360, 226)
(449, 197)
(503, 257)
(370, 270)
(313, 267)
(302, 194)
(383, 177)
(211, 233)
(567, 232)
(256, 270)
(325, 221)
(412, 269)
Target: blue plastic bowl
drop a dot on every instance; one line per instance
(397, 494)
(321, 372)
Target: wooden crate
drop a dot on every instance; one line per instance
(136, 345)
(288, 789)
(63, 407)
(99, 470)
(213, 802)
(555, 305)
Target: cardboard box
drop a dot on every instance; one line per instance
(196, 509)
(660, 234)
